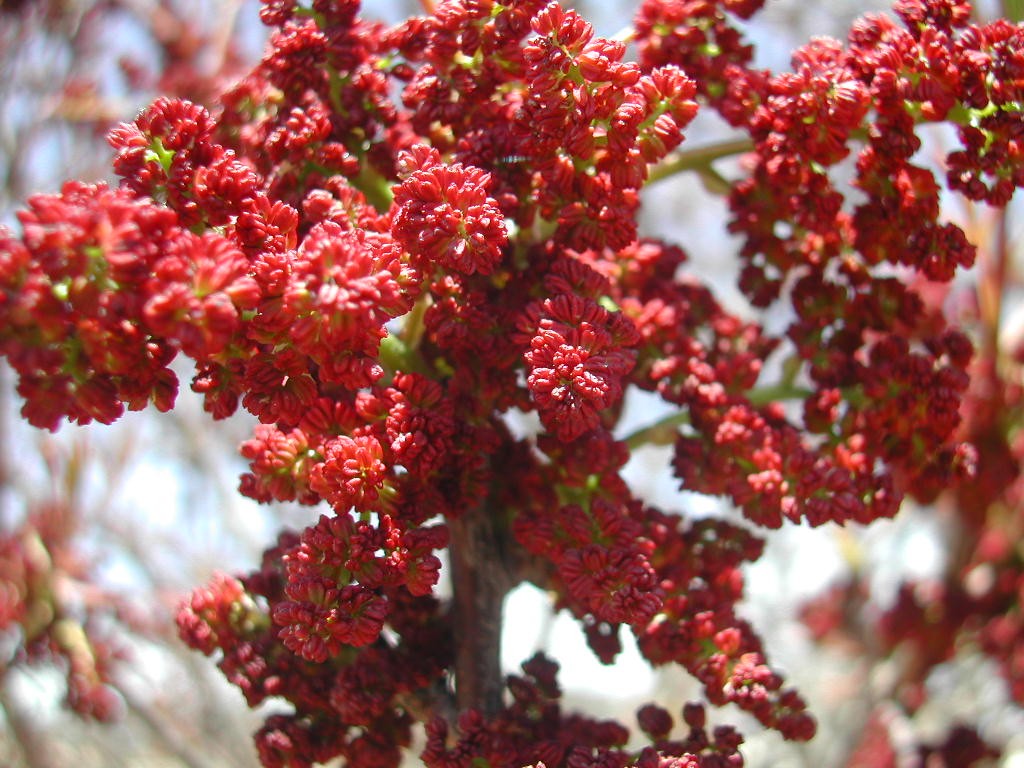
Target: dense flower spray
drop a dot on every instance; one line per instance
(384, 240)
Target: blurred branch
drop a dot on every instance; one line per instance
(35, 746)
(169, 739)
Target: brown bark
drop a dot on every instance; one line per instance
(481, 577)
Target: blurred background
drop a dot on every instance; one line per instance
(137, 514)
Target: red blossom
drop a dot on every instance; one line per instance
(616, 586)
(578, 357)
(319, 619)
(210, 619)
(279, 464)
(75, 333)
(443, 215)
(198, 291)
(352, 473)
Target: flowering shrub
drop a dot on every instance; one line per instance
(384, 241)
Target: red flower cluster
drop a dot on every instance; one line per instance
(75, 289)
(579, 354)
(380, 284)
(444, 217)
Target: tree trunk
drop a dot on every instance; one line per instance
(480, 580)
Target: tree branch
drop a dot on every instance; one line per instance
(699, 158)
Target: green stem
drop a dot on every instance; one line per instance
(661, 432)
(776, 392)
(995, 260)
(1013, 10)
(665, 430)
(400, 351)
(375, 187)
(395, 355)
(699, 158)
(161, 154)
(412, 331)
